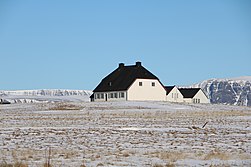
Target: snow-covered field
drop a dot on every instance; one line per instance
(125, 134)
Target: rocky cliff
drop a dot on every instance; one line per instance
(234, 91)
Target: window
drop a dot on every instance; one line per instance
(172, 95)
(153, 83)
(177, 95)
(122, 95)
(198, 100)
(111, 95)
(99, 96)
(115, 95)
(140, 84)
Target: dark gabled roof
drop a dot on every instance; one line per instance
(122, 78)
(188, 92)
(168, 89)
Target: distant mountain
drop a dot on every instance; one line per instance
(44, 95)
(235, 91)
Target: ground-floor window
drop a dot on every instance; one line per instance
(196, 100)
(99, 95)
(122, 95)
(175, 95)
(113, 95)
(116, 95)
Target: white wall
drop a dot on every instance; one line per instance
(188, 100)
(146, 91)
(174, 95)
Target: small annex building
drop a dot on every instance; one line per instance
(173, 94)
(128, 83)
(193, 95)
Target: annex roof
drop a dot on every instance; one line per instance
(168, 89)
(189, 92)
(122, 77)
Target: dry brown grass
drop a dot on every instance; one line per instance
(16, 164)
(171, 156)
(167, 165)
(217, 155)
(62, 106)
(47, 165)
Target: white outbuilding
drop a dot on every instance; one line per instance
(173, 94)
(194, 95)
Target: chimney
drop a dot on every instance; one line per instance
(138, 63)
(121, 65)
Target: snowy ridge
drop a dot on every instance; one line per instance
(45, 95)
(48, 92)
(235, 91)
(243, 78)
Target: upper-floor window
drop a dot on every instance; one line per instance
(153, 83)
(140, 84)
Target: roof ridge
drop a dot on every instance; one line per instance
(123, 76)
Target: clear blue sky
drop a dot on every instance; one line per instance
(74, 44)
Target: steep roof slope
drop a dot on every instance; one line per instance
(188, 92)
(168, 89)
(121, 78)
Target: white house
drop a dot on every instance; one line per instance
(173, 94)
(194, 95)
(132, 82)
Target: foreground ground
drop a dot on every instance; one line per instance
(125, 134)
